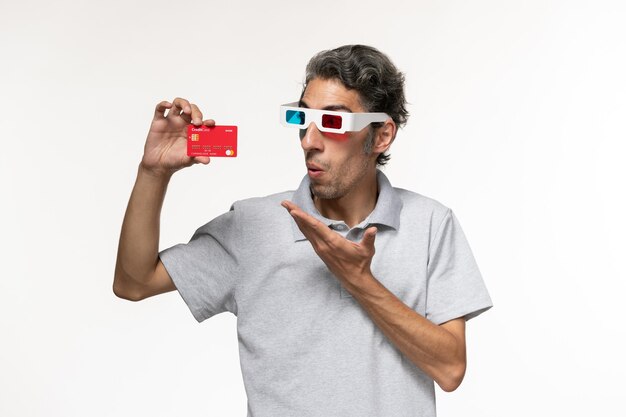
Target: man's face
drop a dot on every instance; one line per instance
(336, 163)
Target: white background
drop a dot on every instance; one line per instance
(517, 124)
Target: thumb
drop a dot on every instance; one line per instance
(201, 159)
(369, 237)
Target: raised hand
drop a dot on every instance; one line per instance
(349, 261)
(165, 151)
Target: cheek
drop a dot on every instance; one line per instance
(338, 137)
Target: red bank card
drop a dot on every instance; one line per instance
(211, 141)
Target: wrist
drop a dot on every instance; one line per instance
(359, 281)
(155, 174)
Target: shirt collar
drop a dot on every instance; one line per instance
(385, 213)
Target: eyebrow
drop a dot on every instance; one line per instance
(332, 107)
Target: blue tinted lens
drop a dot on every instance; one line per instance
(295, 117)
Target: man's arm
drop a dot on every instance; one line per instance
(439, 351)
(139, 272)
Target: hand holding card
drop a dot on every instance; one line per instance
(212, 141)
(165, 150)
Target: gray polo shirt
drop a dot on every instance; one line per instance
(306, 346)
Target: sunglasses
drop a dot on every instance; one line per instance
(327, 121)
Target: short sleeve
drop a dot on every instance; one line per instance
(455, 285)
(205, 270)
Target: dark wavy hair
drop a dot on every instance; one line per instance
(374, 77)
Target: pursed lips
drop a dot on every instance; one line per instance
(313, 167)
(315, 170)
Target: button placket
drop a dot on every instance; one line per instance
(352, 235)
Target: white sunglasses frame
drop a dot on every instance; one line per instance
(350, 122)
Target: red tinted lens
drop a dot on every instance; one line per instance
(331, 121)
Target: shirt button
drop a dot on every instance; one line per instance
(342, 227)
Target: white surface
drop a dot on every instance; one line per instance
(517, 123)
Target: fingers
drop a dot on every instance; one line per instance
(186, 110)
(182, 108)
(159, 112)
(313, 229)
(298, 214)
(196, 115)
(310, 225)
(369, 237)
(288, 205)
(179, 105)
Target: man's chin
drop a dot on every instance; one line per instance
(324, 192)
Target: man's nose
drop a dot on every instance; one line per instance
(312, 139)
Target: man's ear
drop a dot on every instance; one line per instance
(385, 136)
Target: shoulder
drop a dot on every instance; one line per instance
(258, 218)
(262, 211)
(416, 203)
(268, 204)
(423, 212)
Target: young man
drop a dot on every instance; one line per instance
(351, 296)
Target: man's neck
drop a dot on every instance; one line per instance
(353, 207)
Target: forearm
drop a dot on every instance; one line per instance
(439, 351)
(430, 347)
(138, 247)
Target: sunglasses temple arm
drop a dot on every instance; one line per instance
(364, 119)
